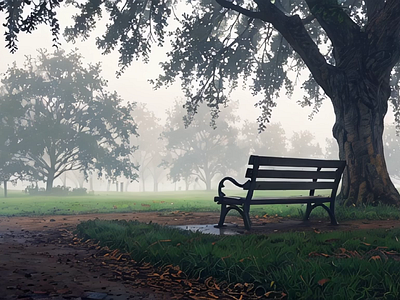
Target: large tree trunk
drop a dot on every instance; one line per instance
(49, 182)
(360, 108)
(5, 188)
(91, 183)
(155, 184)
(126, 185)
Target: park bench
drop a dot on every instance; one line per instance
(284, 173)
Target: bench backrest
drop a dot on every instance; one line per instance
(290, 174)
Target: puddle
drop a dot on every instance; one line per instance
(230, 229)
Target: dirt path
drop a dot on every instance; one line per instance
(39, 261)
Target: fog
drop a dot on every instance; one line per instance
(133, 86)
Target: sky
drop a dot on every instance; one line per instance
(133, 85)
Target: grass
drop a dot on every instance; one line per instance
(21, 204)
(304, 265)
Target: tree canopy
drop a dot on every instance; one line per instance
(270, 142)
(200, 151)
(303, 145)
(151, 147)
(351, 49)
(64, 119)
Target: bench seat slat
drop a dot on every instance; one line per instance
(290, 174)
(295, 162)
(294, 185)
(273, 200)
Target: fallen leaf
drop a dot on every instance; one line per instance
(272, 283)
(323, 281)
(375, 257)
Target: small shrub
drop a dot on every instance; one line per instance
(34, 190)
(60, 190)
(79, 191)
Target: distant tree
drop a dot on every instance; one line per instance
(151, 147)
(65, 119)
(331, 149)
(11, 169)
(271, 142)
(199, 150)
(392, 150)
(303, 145)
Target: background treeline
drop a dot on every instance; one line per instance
(59, 122)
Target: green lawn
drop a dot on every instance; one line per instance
(18, 203)
(21, 204)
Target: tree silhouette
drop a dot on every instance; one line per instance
(199, 150)
(64, 119)
(303, 145)
(151, 147)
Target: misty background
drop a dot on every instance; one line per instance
(291, 123)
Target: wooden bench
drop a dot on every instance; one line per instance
(283, 173)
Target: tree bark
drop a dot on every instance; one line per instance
(5, 188)
(360, 107)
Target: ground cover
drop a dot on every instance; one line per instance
(360, 264)
(42, 263)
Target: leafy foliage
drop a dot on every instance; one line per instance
(219, 43)
(270, 142)
(199, 150)
(64, 119)
(331, 149)
(151, 147)
(17, 18)
(303, 145)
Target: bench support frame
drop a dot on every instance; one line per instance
(242, 204)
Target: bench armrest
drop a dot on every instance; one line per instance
(221, 185)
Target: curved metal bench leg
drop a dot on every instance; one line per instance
(224, 212)
(308, 212)
(329, 210)
(331, 214)
(246, 216)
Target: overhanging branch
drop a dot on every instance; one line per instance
(293, 30)
(239, 9)
(373, 7)
(340, 28)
